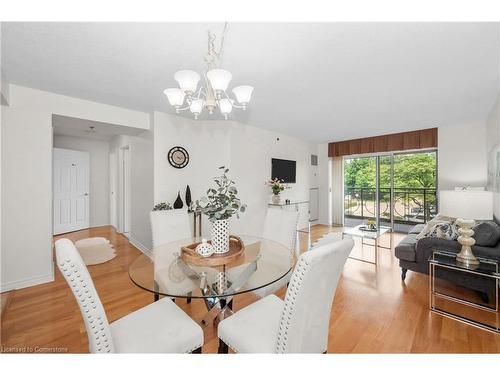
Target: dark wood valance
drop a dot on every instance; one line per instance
(426, 138)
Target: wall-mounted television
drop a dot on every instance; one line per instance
(283, 170)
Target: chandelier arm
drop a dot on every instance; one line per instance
(223, 36)
(200, 91)
(233, 101)
(182, 109)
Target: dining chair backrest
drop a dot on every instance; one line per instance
(169, 225)
(280, 225)
(306, 315)
(75, 273)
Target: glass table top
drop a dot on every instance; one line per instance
(486, 266)
(264, 262)
(356, 231)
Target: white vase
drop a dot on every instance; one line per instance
(204, 248)
(220, 236)
(276, 198)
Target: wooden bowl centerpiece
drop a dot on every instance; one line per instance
(236, 249)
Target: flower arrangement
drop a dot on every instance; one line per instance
(163, 206)
(277, 186)
(221, 201)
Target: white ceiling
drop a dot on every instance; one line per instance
(318, 81)
(75, 127)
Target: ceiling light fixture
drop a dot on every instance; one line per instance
(213, 94)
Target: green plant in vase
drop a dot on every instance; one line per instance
(277, 186)
(220, 204)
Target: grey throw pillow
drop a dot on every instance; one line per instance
(487, 234)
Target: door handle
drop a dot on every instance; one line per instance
(86, 194)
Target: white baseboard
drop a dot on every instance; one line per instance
(20, 284)
(139, 245)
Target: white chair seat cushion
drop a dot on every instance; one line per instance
(253, 329)
(161, 327)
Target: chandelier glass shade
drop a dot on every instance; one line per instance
(212, 93)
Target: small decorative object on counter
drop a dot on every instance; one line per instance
(277, 186)
(163, 206)
(371, 224)
(220, 204)
(188, 196)
(205, 249)
(178, 202)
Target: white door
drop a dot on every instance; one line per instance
(113, 193)
(70, 190)
(314, 204)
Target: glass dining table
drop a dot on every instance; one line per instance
(166, 273)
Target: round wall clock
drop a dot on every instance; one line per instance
(178, 157)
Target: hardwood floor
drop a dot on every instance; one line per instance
(373, 310)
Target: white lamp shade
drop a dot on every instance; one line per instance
(219, 79)
(225, 106)
(243, 94)
(175, 96)
(187, 80)
(466, 204)
(196, 106)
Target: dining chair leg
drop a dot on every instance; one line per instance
(197, 351)
(223, 348)
(189, 297)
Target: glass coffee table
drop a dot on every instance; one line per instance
(450, 297)
(371, 235)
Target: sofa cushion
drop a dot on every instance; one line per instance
(446, 231)
(487, 234)
(406, 248)
(416, 229)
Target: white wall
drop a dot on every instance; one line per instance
(141, 189)
(207, 144)
(493, 154)
(462, 155)
(99, 174)
(251, 151)
(246, 150)
(27, 177)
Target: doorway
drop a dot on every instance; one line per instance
(71, 187)
(396, 190)
(123, 198)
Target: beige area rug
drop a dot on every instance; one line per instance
(95, 250)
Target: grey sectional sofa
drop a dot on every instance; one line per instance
(414, 255)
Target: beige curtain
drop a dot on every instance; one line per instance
(337, 190)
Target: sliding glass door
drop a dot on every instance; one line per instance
(397, 190)
(360, 179)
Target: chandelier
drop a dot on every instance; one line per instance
(211, 94)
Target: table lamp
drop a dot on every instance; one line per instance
(467, 206)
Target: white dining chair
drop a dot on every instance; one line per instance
(280, 225)
(168, 226)
(161, 327)
(300, 323)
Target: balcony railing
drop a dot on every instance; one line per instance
(411, 205)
